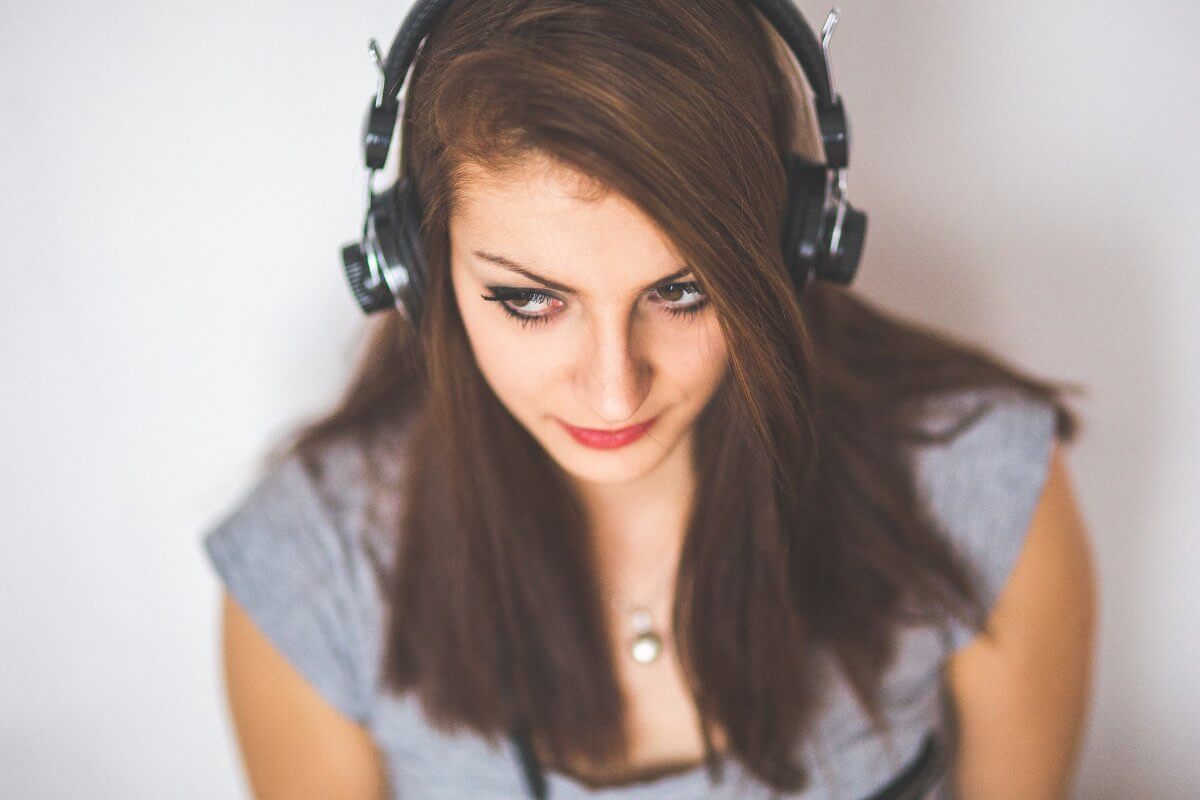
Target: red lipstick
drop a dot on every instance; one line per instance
(607, 440)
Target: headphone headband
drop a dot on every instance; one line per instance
(424, 14)
(782, 14)
(822, 234)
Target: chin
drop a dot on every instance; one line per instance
(614, 467)
(610, 474)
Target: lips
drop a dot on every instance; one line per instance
(607, 440)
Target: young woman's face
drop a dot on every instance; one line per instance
(619, 333)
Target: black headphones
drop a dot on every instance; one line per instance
(823, 234)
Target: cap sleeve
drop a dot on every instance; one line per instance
(303, 580)
(983, 485)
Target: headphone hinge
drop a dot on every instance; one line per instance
(378, 127)
(835, 134)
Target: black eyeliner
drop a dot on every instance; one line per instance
(502, 294)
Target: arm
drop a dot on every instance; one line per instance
(294, 744)
(1021, 688)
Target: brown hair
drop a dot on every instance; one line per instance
(809, 534)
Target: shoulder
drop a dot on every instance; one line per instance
(1048, 596)
(302, 550)
(301, 512)
(1002, 445)
(982, 485)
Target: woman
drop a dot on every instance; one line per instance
(624, 513)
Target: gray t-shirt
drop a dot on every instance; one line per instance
(297, 552)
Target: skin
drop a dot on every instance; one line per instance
(611, 356)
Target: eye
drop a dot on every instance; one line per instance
(531, 304)
(531, 307)
(673, 292)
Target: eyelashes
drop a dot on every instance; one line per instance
(506, 294)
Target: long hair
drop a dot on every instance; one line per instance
(808, 537)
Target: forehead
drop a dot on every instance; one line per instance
(557, 222)
(535, 175)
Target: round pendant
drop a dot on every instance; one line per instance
(645, 647)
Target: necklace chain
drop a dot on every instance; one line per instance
(671, 564)
(646, 644)
(670, 572)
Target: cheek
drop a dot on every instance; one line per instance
(699, 359)
(508, 362)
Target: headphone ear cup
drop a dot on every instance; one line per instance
(802, 218)
(392, 239)
(378, 244)
(407, 214)
(402, 246)
(358, 275)
(841, 268)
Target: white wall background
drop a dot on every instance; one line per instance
(176, 180)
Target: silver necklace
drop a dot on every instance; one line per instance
(646, 644)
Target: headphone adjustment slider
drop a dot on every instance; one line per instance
(831, 117)
(380, 122)
(835, 135)
(378, 127)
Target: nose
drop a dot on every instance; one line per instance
(614, 375)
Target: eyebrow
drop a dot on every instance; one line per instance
(515, 267)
